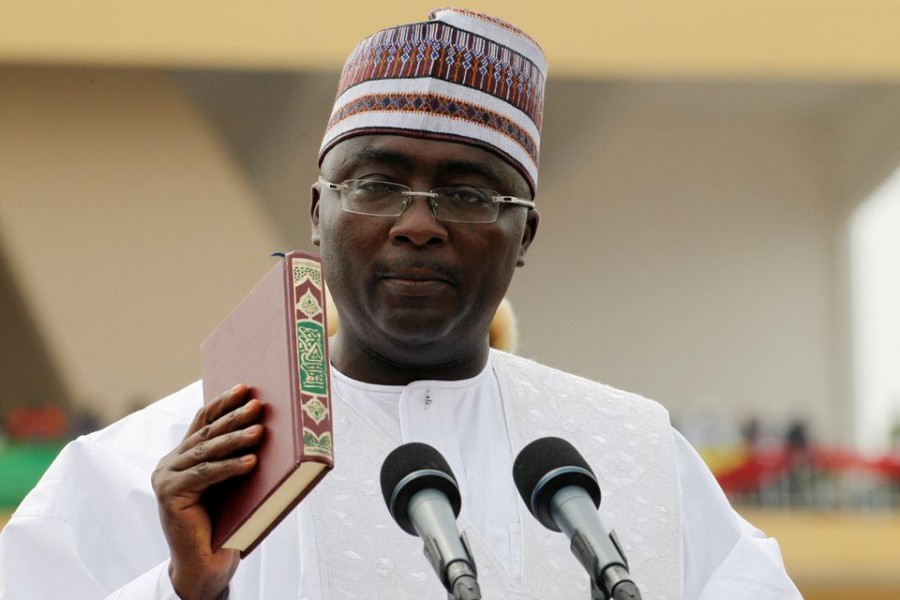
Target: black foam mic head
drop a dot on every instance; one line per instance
(544, 467)
(411, 468)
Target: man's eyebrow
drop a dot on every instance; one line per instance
(468, 167)
(380, 156)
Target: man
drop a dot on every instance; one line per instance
(423, 211)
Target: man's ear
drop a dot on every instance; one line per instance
(315, 195)
(531, 225)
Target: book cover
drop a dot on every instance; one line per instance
(276, 342)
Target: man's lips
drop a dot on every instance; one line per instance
(417, 279)
(417, 276)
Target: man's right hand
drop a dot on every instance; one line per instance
(218, 445)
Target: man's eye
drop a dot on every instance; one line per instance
(372, 186)
(467, 195)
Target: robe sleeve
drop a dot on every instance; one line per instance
(89, 528)
(39, 559)
(725, 556)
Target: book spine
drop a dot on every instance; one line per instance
(314, 377)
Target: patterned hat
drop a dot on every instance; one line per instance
(460, 76)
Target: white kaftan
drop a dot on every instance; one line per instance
(90, 528)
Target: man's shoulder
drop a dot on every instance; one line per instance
(563, 382)
(156, 424)
(115, 460)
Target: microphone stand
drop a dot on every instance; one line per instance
(614, 577)
(459, 575)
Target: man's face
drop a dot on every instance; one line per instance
(411, 287)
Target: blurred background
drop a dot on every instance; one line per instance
(720, 202)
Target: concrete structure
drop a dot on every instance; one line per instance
(700, 165)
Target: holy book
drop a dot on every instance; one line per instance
(276, 342)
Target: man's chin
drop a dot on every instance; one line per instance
(420, 334)
(424, 334)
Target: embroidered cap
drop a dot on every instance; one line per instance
(461, 76)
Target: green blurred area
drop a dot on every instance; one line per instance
(21, 466)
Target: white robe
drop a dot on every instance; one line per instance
(90, 527)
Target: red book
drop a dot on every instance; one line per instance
(276, 342)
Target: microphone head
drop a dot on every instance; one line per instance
(544, 467)
(409, 469)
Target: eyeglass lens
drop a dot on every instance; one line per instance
(380, 198)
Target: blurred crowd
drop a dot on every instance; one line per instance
(45, 423)
(786, 467)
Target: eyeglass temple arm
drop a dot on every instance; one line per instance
(331, 186)
(513, 200)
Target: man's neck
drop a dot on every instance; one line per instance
(358, 362)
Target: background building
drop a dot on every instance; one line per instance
(705, 168)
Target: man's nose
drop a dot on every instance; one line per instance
(418, 225)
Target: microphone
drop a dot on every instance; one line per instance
(562, 493)
(423, 497)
